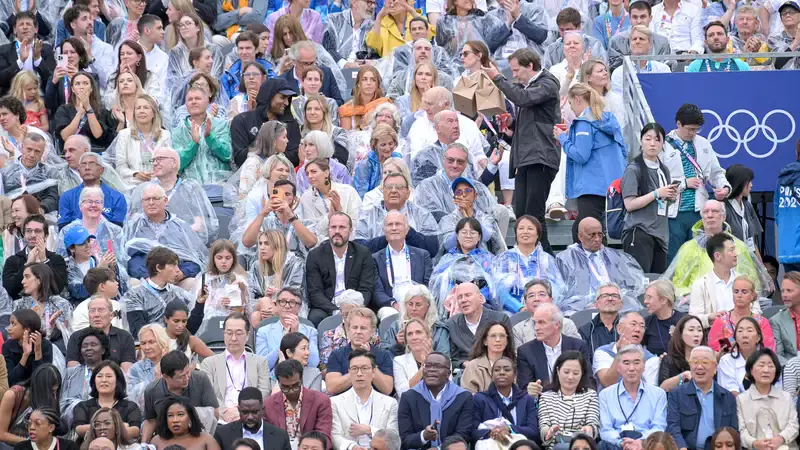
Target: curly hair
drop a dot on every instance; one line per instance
(15, 106)
(101, 336)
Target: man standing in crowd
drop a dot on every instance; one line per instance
(691, 161)
(536, 359)
(91, 169)
(272, 103)
(151, 35)
(121, 344)
(361, 410)
(422, 231)
(178, 379)
(336, 266)
(464, 326)
(229, 371)
(35, 232)
(535, 155)
(360, 326)
(435, 408)
(538, 292)
(681, 22)
(698, 408)
(717, 44)
(282, 407)
(631, 332)
(268, 337)
(630, 410)
(25, 53)
(592, 265)
(252, 424)
(620, 45)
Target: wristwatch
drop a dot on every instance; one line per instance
(294, 217)
(90, 111)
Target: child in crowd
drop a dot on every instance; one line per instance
(25, 87)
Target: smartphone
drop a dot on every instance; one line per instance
(274, 194)
(675, 183)
(110, 246)
(724, 345)
(61, 61)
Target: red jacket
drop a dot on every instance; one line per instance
(315, 414)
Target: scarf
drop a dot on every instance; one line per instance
(449, 394)
(516, 395)
(227, 6)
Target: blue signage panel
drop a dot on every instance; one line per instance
(751, 118)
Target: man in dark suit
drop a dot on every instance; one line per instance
(251, 424)
(398, 264)
(419, 425)
(690, 404)
(25, 53)
(302, 55)
(35, 233)
(335, 266)
(474, 316)
(535, 359)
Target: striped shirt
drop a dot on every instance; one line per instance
(791, 376)
(687, 196)
(569, 413)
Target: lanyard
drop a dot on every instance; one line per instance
(686, 154)
(147, 146)
(19, 57)
(619, 26)
(174, 189)
(87, 376)
(324, 204)
(600, 273)
(727, 64)
(233, 382)
(83, 121)
(672, 17)
(636, 405)
(391, 267)
(65, 84)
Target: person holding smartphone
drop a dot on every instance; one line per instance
(647, 190)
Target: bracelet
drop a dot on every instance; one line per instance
(655, 195)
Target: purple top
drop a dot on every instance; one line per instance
(311, 22)
(339, 174)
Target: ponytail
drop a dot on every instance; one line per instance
(589, 95)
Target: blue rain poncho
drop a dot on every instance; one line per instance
(455, 268)
(511, 270)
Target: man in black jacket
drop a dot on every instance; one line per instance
(272, 103)
(302, 55)
(251, 424)
(35, 234)
(335, 266)
(25, 53)
(535, 155)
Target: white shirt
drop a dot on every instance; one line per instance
(723, 291)
(401, 267)
(602, 360)
(105, 61)
(507, 400)
(684, 30)
(340, 265)
(80, 316)
(552, 354)
(651, 67)
(157, 61)
(473, 327)
(258, 436)
(235, 378)
(731, 373)
(422, 134)
(365, 411)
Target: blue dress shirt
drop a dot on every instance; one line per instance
(647, 414)
(706, 427)
(268, 343)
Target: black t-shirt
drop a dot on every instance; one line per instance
(121, 344)
(200, 392)
(657, 333)
(128, 410)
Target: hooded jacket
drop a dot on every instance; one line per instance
(596, 154)
(787, 213)
(245, 126)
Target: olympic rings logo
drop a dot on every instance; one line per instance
(751, 133)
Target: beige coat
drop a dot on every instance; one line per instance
(751, 402)
(478, 375)
(703, 299)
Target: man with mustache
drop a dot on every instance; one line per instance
(337, 266)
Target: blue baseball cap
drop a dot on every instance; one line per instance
(460, 180)
(77, 235)
(789, 3)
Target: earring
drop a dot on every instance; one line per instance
(327, 182)
(137, 63)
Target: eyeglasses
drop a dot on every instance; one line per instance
(34, 231)
(237, 333)
(434, 366)
(289, 303)
(182, 25)
(151, 199)
(468, 233)
(498, 337)
(702, 362)
(541, 295)
(92, 202)
(460, 162)
(97, 310)
(252, 75)
(162, 159)
(140, 2)
(88, 164)
(609, 296)
(363, 369)
(462, 192)
(395, 187)
(466, 53)
(288, 389)
(599, 234)
(789, 12)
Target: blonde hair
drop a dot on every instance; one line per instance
(327, 125)
(273, 161)
(20, 81)
(361, 312)
(118, 97)
(357, 89)
(752, 285)
(185, 7)
(159, 333)
(155, 129)
(290, 22)
(426, 328)
(416, 95)
(664, 289)
(381, 131)
(420, 290)
(323, 143)
(277, 241)
(588, 67)
(588, 94)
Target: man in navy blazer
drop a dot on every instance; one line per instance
(398, 264)
(420, 425)
(536, 358)
(302, 55)
(689, 404)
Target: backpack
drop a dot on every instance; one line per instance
(615, 203)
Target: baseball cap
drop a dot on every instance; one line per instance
(789, 3)
(287, 91)
(77, 235)
(460, 180)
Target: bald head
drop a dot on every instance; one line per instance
(74, 147)
(590, 233)
(101, 443)
(436, 99)
(713, 216)
(166, 162)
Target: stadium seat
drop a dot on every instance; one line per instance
(771, 311)
(328, 323)
(583, 317)
(387, 323)
(519, 317)
(212, 335)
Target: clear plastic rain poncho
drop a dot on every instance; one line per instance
(293, 275)
(445, 64)
(298, 110)
(554, 53)
(339, 38)
(68, 178)
(584, 278)
(53, 304)
(438, 198)
(403, 81)
(453, 31)
(511, 270)
(208, 162)
(18, 180)
(141, 235)
(534, 20)
(178, 66)
(74, 389)
(106, 232)
(219, 287)
(5, 301)
(75, 288)
(187, 201)
(492, 238)
(782, 43)
(455, 268)
(692, 262)
(428, 162)
(116, 31)
(324, 59)
(370, 221)
(152, 302)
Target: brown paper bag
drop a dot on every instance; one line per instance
(464, 94)
(489, 100)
